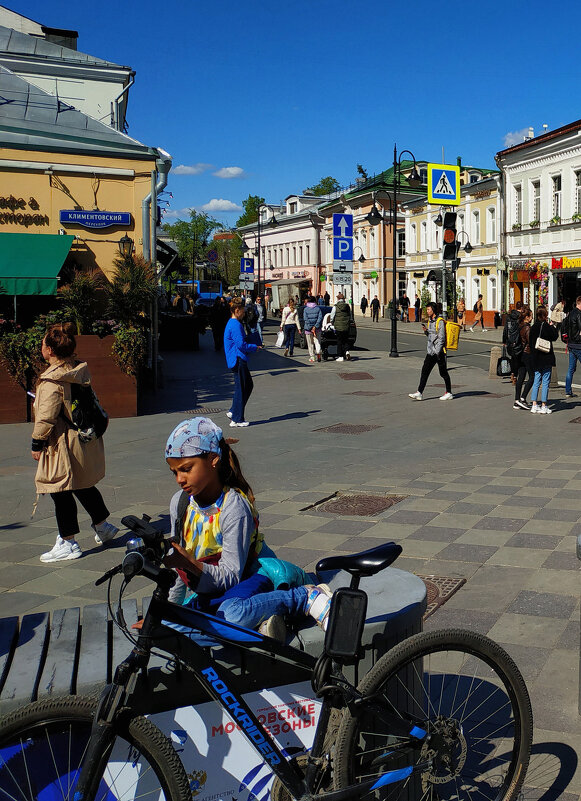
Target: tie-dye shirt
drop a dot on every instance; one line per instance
(228, 528)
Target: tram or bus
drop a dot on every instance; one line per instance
(203, 289)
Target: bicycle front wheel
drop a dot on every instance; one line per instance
(42, 747)
(467, 695)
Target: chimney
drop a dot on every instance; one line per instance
(531, 133)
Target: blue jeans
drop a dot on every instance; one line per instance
(544, 376)
(289, 337)
(243, 386)
(574, 357)
(250, 612)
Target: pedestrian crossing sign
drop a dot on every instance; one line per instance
(443, 184)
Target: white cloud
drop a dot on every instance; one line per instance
(191, 169)
(176, 214)
(230, 172)
(516, 137)
(219, 204)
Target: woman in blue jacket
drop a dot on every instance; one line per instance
(237, 349)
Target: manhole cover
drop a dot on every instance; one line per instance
(439, 590)
(203, 410)
(364, 505)
(347, 428)
(575, 420)
(356, 376)
(365, 393)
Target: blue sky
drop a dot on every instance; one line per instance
(266, 98)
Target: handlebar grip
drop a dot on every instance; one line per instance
(142, 528)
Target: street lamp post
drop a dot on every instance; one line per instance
(272, 223)
(455, 265)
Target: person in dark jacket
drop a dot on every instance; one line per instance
(312, 324)
(511, 338)
(375, 309)
(363, 305)
(526, 361)
(572, 326)
(542, 362)
(341, 320)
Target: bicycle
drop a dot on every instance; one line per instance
(442, 715)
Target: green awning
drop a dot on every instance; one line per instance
(30, 263)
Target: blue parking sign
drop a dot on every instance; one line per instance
(246, 265)
(342, 249)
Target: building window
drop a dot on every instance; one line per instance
(301, 262)
(424, 175)
(292, 208)
(294, 256)
(492, 294)
(518, 205)
(460, 225)
(475, 227)
(491, 225)
(364, 244)
(423, 237)
(556, 196)
(577, 203)
(307, 254)
(329, 250)
(474, 178)
(413, 240)
(372, 244)
(536, 212)
(401, 243)
(401, 284)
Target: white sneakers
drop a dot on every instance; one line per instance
(62, 551)
(446, 396)
(535, 409)
(339, 359)
(274, 627)
(319, 603)
(239, 425)
(415, 395)
(229, 414)
(104, 532)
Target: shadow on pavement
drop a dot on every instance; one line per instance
(550, 772)
(290, 416)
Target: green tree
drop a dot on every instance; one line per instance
(250, 214)
(133, 288)
(81, 298)
(325, 186)
(362, 172)
(230, 251)
(191, 237)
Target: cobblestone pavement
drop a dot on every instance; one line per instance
(490, 494)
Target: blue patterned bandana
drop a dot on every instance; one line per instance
(193, 438)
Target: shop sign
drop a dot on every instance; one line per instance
(520, 276)
(18, 213)
(299, 274)
(276, 275)
(95, 219)
(566, 264)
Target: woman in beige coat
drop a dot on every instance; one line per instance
(67, 467)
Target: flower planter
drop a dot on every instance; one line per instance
(116, 391)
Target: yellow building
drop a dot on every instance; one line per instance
(73, 191)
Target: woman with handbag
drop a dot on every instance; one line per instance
(290, 324)
(541, 338)
(557, 314)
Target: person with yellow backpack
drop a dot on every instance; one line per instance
(436, 333)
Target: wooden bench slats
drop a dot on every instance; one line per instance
(22, 680)
(93, 658)
(8, 635)
(58, 676)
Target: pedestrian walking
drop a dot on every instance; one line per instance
(375, 310)
(557, 313)
(511, 339)
(571, 335)
(461, 312)
(290, 324)
(219, 316)
(404, 302)
(327, 298)
(363, 305)
(525, 368)
(418, 308)
(436, 333)
(261, 310)
(341, 321)
(312, 323)
(541, 338)
(236, 350)
(479, 312)
(67, 467)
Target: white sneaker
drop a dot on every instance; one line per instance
(446, 396)
(415, 395)
(273, 627)
(339, 359)
(535, 409)
(104, 532)
(63, 550)
(348, 356)
(545, 410)
(238, 425)
(319, 603)
(471, 330)
(229, 414)
(484, 330)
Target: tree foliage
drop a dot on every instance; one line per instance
(361, 171)
(230, 251)
(250, 214)
(191, 237)
(80, 298)
(132, 290)
(325, 186)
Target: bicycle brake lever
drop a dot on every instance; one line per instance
(142, 527)
(109, 574)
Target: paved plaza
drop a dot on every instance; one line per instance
(490, 494)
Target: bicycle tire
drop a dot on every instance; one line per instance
(473, 754)
(42, 746)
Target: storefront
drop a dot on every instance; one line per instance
(519, 285)
(566, 275)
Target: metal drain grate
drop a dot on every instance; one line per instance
(439, 589)
(347, 428)
(356, 376)
(203, 410)
(361, 505)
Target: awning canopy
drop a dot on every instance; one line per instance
(30, 263)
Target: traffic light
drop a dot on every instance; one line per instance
(449, 236)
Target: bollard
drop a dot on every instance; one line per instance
(495, 354)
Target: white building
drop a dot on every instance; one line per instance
(542, 215)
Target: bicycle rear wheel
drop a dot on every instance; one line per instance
(467, 694)
(42, 748)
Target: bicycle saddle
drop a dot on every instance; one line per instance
(366, 563)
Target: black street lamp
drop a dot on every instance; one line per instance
(455, 265)
(125, 246)
(272, 223)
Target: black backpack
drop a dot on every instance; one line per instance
(514, 343)
(251, 316)
(475, 309)
(565, 329)
(89, 419)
